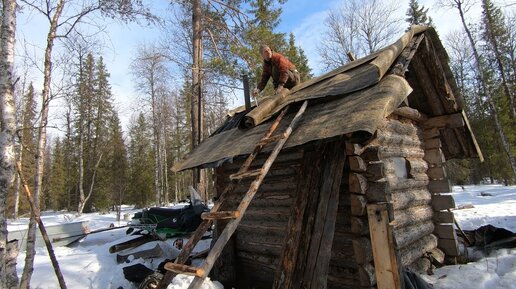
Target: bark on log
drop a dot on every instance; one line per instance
(410, 113)
(412, 215)
(415, 250)
(410, 198)
(407, 235)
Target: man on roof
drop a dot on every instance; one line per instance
(283, 72)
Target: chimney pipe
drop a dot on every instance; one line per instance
(247, 96)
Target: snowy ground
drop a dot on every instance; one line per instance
(90, 265)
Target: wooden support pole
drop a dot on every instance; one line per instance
(385, 263)
(36, 214)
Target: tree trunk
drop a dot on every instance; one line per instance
(40, 151)
(8, 277)
(505, 143)
(196, 98)
(498, 57)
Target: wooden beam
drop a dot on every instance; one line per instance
(431, 133)
(434, 157)
(442, 202)
(385, 263)
(363, 250)
(445, 231)
(357, 164)
(444, 121)
(375, 171)
(305, 196)
(433, 143)
(371, 154)
(410, 113)
(353, 149)
(441, 186)
(443, 217)
(358, 204)
(436, 173)
(357, 183)
(449, 247)
(359, 226)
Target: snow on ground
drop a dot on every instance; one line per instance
(477, 206)
(90, 265)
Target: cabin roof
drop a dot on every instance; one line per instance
(351, 100)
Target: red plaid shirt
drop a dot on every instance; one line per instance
(279, 62)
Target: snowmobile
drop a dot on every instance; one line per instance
(169, 222)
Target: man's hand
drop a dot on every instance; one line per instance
(256, 92)
(279, 89)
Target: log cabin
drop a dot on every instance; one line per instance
(359, 190)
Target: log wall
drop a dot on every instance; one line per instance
(252, 256)
(396, 173)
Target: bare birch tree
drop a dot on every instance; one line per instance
(8, 251)
(360, 27)
(61, 23)
(151, 76)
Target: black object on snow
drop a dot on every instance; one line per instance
(137, 273)
(491, 237)
(413, 281)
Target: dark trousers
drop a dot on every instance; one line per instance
(293, 78)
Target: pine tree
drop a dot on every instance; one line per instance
(141, 189)
(28, 146)
(117, 168)
(496, 36)
(417, 15)
(57, 178)
(297, 55)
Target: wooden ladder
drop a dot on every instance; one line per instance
(235, 217)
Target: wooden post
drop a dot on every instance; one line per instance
(385, 263)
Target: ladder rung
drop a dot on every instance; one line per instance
(247, 174)
(271, 139)
(184, 269)
(220, 215)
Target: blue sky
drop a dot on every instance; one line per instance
(305, 18)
